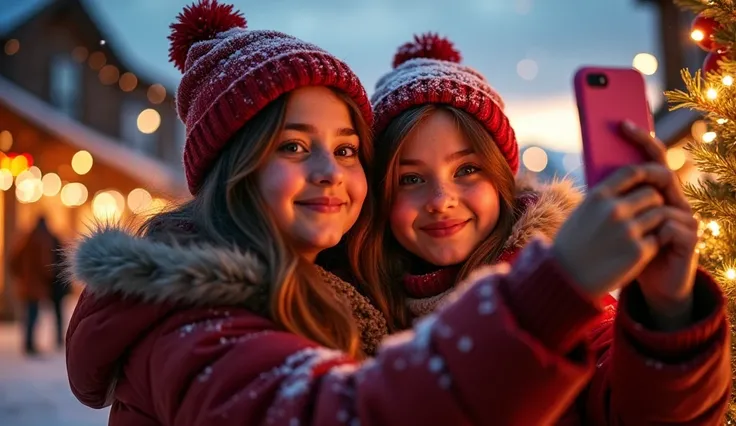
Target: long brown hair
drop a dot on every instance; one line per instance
(229, 210)
(375, 255)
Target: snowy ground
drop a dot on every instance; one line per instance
(35, 392)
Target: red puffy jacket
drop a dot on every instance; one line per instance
(509, 351)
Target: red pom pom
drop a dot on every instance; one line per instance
(199, 22)
(429, 46)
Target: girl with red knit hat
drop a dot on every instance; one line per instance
(447, 203)
(216, 312)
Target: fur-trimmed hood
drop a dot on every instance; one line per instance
(542, 209)
(111, 260)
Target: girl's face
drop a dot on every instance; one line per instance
(314, 184)
(445, 203)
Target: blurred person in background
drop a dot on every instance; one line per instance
(34, 266)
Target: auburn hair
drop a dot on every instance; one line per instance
(228, 210)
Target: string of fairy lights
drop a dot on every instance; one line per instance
(702, 32)
(31, 184)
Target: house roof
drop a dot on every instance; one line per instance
(157, 175)
(16, 13)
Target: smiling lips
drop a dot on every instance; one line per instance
(322, 204)
(445, 228)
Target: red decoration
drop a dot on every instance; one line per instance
(429, 46)
(711, 61)
(199, 22)
(706, 27)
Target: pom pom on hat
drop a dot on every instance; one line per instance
(428, 46)
(199, 22)
(231, 73)
(441, 80)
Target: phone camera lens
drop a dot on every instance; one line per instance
(597, 80)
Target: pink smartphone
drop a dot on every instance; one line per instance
(606, 97)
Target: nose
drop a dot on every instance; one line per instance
(325, 171)
(442, 198)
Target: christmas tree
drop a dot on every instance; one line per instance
(712, 92)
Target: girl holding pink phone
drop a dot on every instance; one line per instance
(218, 311)
(447, 203)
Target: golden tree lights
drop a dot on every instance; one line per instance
(711, 92)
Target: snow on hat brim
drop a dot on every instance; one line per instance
(231, 73)
(422, 81)
(236, 75)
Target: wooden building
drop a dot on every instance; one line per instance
(82, 134)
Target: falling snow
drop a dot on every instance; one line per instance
(485, 290)
(205, 375)
(186, 329)
(299, 369)
(423, 331)
(436, 364)
(486, 308)
(465, 344)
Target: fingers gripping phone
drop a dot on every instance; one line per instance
(606, 97)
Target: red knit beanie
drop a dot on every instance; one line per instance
(231, 73)
(428, 71)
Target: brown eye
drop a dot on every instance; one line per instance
(292, 148)
(346, 151)
(410, 180)
(467, 170)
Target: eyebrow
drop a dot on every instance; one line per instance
(450, 158)
(308, 128)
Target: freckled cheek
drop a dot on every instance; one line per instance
(482, 200)
(403, 214)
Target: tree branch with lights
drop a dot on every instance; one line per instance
(712, 92)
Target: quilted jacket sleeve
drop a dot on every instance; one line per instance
(511, 338)
(647, 377)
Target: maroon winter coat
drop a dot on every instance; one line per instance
(509, 351)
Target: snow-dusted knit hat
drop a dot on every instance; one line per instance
(428, 71)
(231, 73)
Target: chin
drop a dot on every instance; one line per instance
(323, 241)
(447, 259)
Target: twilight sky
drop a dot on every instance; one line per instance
(494, 36)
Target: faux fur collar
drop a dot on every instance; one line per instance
(110, 260)
(545, 207)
